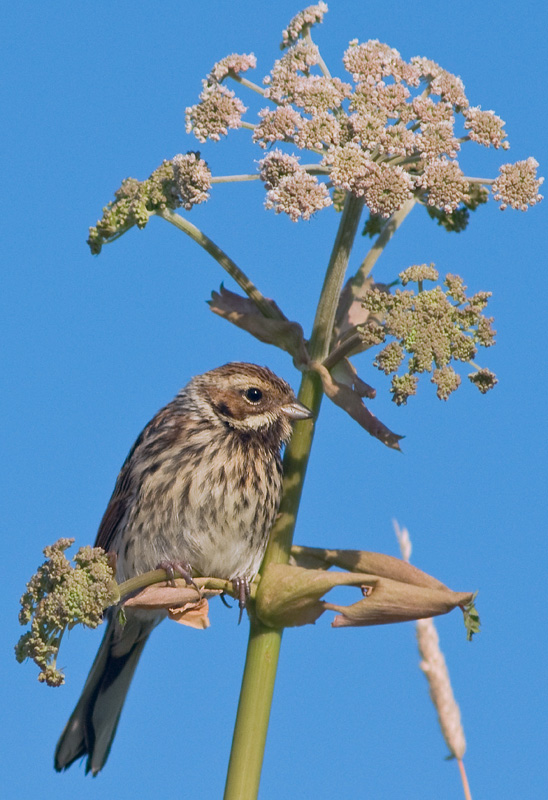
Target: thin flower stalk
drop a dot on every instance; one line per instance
(248, 84)
(226, 263)
(388, 230)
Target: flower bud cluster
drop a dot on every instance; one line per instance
(517, 185)
(184, 181)
(59, 596)
(218, 110)
(434, 328)
(290, 188)
(231, 65)
(192, 179)
(302, 22)
(393, 134)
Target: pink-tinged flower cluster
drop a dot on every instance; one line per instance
(290, 188)
(231, 65)
(350, 167)
(441, 82)
(485, 128)
(396, 140)
(426, 68)
(302, 21)
(444, 184)
(366, 130)
(382, 101)
(430, 113)
(276, 166)
(385, 188)
(372, 61)
(300, 58)
(218, 110)
(279, 125)
(517, 185)
(316, 93)
(450, 88)
(323, 130)
(392, 99)
(192, 179)
(388, 190)
(438, 140)
(387, 137)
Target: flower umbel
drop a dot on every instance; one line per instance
(60, 596)
(434, 327)
(392, 135)
(517, 185)
(231, 65)
(485, 128)
(218, 110)
(192, 179)
(290, 188)
(135, 202)
(302, 21)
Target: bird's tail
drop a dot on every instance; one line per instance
(92, 725)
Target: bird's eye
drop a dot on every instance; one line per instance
(253, 394)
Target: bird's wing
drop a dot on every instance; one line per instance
(154, 440)
(116, 510)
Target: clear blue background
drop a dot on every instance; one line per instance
(94, 92)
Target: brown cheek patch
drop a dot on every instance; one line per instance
(230, 404)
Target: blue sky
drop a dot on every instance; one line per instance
(94, 346)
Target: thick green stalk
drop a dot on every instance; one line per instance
(246, 758)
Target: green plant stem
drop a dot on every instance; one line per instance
(312, 169)
(266, 308)
(160, 576)
(249, 84)
(322, 330)
(248, 743)
(321, 63)
(234, 178)
(388, 231)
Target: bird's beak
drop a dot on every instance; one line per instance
(296, 410)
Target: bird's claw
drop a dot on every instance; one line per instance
(183, 568)
(242, 591)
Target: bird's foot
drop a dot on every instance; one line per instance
(242, 591)
(183, 568)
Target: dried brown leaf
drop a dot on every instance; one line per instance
(194, 615)
(184, 604)
(365, 561)
(350, 400)
(351, 311)
(392, 601)
(345, 372)
(290, 596)
(163, 595)
(243, 313)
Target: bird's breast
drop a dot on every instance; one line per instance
(214, 509)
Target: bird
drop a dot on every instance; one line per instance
(197, 494)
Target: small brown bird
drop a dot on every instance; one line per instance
(198, 491)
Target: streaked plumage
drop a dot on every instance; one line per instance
(201, 485)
